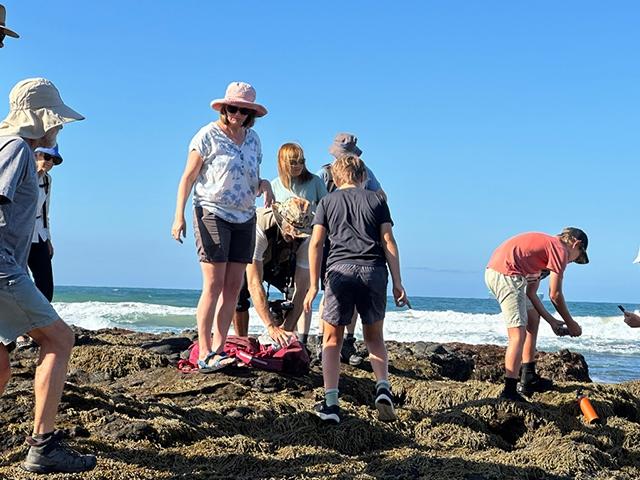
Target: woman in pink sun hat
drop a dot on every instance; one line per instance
(223, 169)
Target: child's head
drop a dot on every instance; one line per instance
(576, 241)
(348, 169)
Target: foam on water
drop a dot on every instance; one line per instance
(600, 334)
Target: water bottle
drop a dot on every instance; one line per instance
(590, 415)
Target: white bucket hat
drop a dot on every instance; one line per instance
(35, 107)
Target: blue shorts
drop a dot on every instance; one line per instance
(22, 308)
(355, 286)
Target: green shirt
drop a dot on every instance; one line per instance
(313, 190)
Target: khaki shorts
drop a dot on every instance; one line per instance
(22, 308)
(511, 293)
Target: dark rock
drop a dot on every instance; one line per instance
(269, 383)
(239, 412)
(168, 346)
(118, 428)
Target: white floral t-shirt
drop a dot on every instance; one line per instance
(228, 181)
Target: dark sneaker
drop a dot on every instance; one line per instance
(512, 397)
(536, 384)
(53, 455)
(329, 414)
(349, 354)
(384, 405)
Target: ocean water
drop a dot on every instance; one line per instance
(611, 348)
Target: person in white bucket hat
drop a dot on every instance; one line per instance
(36, 115)
(633, 319)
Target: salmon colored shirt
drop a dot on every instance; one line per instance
(529, 253)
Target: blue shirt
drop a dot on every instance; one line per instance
(312, 190)
(227, 184)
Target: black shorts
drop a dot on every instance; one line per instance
(355, 286)
(220, 241)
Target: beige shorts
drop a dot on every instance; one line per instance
(511, 293)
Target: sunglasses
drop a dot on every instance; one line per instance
(232, 109)
(300, 161)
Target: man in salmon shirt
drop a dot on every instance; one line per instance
(510, 276)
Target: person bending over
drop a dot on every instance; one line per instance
(277, 259)
(526, 256)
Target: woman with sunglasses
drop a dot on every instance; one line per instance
(41, 251)
(294, 180)
(223, 168)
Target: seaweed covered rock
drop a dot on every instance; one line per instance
(145, 420)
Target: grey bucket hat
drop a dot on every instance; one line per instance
(344, 143)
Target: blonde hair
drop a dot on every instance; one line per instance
(348, 169)
(286, 153)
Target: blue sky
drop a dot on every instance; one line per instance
(481, 120)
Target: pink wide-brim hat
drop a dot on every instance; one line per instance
(240, 94)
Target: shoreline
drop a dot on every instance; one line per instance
(127, 403)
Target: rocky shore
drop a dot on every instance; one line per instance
(126, 402)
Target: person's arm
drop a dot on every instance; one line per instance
(47, 203)
(393, 260)
(557, 298)
(532, 294)
(632, 319)
(316, 245)
(260, 303)
(189, 176)
(264, 186)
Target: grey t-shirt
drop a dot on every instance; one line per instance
(18, 203)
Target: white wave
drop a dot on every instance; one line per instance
(600, 334)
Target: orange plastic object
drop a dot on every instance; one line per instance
(590, 415)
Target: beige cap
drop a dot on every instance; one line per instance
(35, 107)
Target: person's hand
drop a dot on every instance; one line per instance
(574, 329)
(309, 298)
(632, 319)
(50, 246)
(400, 296)
(269, 197)
(179, 230)
(559, 328)
(279, 335)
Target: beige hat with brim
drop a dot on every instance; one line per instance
(35, 107)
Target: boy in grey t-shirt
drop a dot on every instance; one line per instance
(36, 115)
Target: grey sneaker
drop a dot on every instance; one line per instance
(53, 455)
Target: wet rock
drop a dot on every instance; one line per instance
(269, 383)
(146, 420)
(168, 346)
